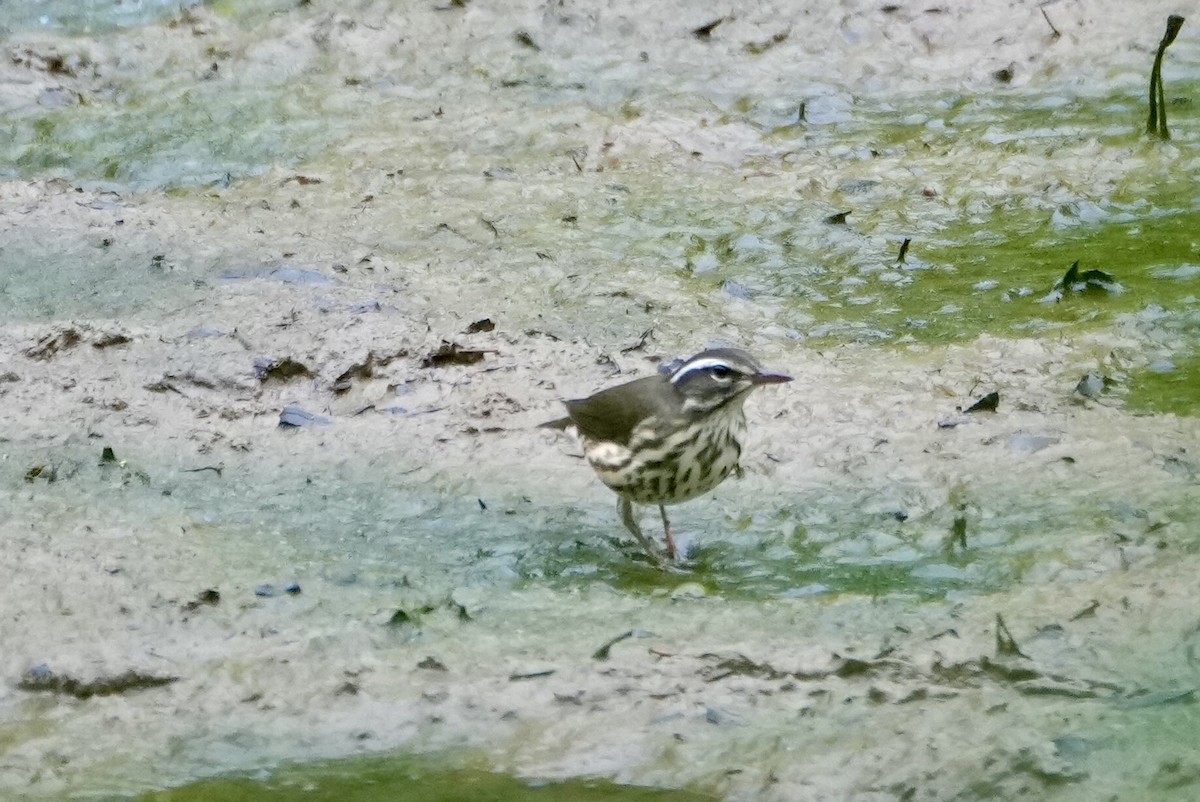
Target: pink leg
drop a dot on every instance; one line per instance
(667, 530)
(625, 508)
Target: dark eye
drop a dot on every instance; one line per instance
(720, 371)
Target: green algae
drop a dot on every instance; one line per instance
(1170, 387)
(385, 779)
(980, 261)
(1002, 282)
(1079, 184)
(197, 136)
(761, 565)
(993, 273)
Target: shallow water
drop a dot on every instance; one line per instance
(369, 179)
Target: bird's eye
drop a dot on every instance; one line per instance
(720, 371)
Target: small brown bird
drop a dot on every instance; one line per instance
(668, 438)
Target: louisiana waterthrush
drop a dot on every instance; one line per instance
(668, 438)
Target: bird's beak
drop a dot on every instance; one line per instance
(770, 377)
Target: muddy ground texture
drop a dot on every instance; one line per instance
(293, 349)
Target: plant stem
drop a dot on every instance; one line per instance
(1157, 123)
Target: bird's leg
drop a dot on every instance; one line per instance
(625, 508)
(667, 532)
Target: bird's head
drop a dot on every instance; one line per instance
(713, 378)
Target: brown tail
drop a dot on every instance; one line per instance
(561, 424)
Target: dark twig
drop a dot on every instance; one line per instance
(217, 469)
(603, 652)
(1005, 642)
(704, 32)
(1046, 16)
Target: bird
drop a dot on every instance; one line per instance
(668, 438)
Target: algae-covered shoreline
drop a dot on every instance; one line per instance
(218, 214)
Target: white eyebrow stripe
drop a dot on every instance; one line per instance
(698, 365)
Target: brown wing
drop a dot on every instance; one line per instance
(613, 414)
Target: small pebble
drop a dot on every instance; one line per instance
(715, 715)
(813, 589)
(1090, 386)
(1024, 444)
(294, 417)
(40, 671)
(689, 590)
(735, 290)
(1162, 366)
